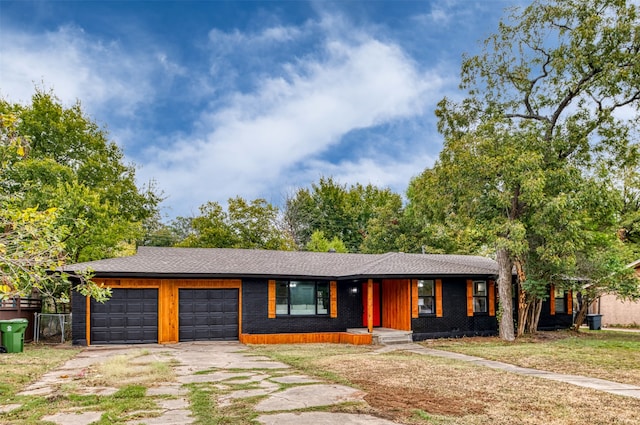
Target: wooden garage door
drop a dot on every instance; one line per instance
(130, 316)
(208, 314)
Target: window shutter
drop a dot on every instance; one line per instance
(569, 302)
(438, 297)
(333, 299)
(469, 297)
(414, 299)
(552, 301)
(272, 299)
(492, 298)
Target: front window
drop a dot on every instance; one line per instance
(426, 297)
(560, 300)
(302, 297)
(480, 294)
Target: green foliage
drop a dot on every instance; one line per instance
(250, 225)
(31, 250)
(71, 165)
(319, 243)
(341, 212)
(65, 196)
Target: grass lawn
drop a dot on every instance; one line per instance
(126, 373)
(19, 369)
(416, 389)
(404, 387)
(611, 355)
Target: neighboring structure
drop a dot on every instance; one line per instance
(21, 308)
(167, 295)
(616, 312)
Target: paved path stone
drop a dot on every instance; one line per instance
(9, 407)
(208, 377)
(294, 379)
(171, 417)
(322, 418)
(168, 389)
(103, 391)
(82, 418)
(173, 404)
(226, 400)
(309, 396)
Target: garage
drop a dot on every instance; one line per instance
(208, 314)
(129, 317)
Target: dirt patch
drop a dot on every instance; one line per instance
(403, 383)
(401, 402)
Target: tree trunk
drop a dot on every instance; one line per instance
(523, 305)
(505, 295)
(534, 316)
(582, 313)
(523, 312)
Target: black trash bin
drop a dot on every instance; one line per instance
(594, 321)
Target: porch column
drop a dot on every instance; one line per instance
(370, 305)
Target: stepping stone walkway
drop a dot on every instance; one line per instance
(219, 364)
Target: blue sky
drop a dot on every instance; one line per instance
(216, 99)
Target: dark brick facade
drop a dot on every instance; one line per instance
(549, 322)
(454, 321)
(78, 321)
(255, 312)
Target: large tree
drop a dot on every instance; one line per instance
(530, 153)
(31, 239)
(71, 165)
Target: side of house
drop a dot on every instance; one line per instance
(616, 312)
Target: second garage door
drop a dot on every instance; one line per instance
(208, 314)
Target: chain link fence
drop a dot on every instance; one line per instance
(50, 328)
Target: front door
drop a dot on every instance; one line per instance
(376, 304)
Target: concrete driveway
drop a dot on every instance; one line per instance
(285, 393)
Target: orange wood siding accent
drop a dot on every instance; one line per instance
(552, 301)
(469, 297)
(304, 338)
(168, 292)
(88, 322)
(272, 299)
(438, 297)
(415, 309)
(333, 299)
(168, 321)
(370, 305)
(492, 298)
(569, 302)
(396, 304)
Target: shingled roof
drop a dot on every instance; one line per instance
(223, 262)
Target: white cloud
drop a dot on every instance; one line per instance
(249, 145)
(394, 173)
(76, 67)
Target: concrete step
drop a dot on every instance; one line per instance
(388, 341)
(386, 336)
(392, 339)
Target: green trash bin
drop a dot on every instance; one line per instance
(13, 334)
